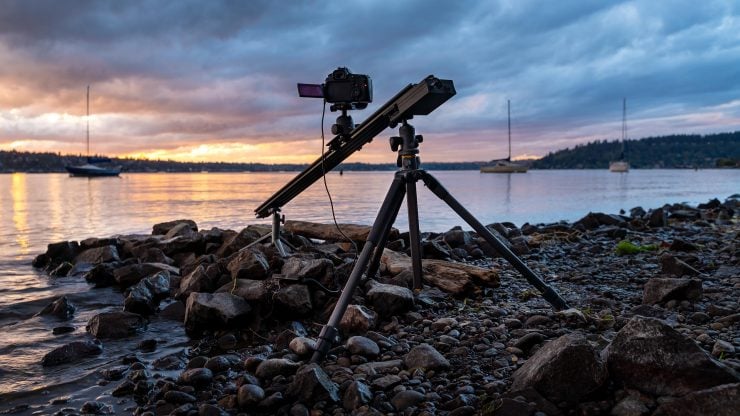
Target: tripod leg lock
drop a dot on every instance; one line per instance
(326, 338)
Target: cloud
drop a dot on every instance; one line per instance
(176, 76)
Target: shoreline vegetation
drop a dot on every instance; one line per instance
(720, 150)
(652, 329)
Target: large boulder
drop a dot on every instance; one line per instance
(389, 300)
(722, 400)
(565, 369)
(144, 297)
(297, 268)
(165, 227)
(658, 290)
(62, 308)
(249, 290)
(131, 274)
(249, 264)
(74, 351)
(329, 232)
(115, 325)
(293, 301)
(214, 311)
(650, 356)
(197, 281)
(234, 242)
(104, 254)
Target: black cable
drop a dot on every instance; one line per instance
(326, 186)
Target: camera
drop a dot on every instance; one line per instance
(342, 87)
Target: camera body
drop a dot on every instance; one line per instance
(341, 87)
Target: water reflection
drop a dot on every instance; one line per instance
(19, 196)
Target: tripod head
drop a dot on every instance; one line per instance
(344, 125)
(407, 146)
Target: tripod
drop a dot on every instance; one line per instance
(404, 184)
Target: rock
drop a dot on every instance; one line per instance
(213, 311)
(249, 290)
(565, 369)
(106, 254)
(659, 290)
(58, 252)
(74, 351)
(250, 395)
(388, 300)
(425, 357)
(366, 347)
(196, 376)
(675, 267)
(65, 329)
(637, 212)
(357, 394)
(405, 399)
(249, 264)
(329, 231)
(683, 245)
(115, 325)
(649, 355)
(312, 384)
(234, 242)
(302, 346)
(95, 408)
(456, 237)
(358, 319)
(722, 400)
(131, 274)
(442, 323)
(218, 364)
(62, 308)
(179, 397)
(297, 268)
(293, 301)
(182, 229)
(630, 406)
(529, 340)
(165, 227)
(101, 275)
(196, 281)
(657, 218)
(723, 348)
(272, 367)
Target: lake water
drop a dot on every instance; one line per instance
(36, 210)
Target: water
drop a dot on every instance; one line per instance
(36, 210)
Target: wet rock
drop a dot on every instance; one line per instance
(722, 400)
(95, 408)
(181, 229)
(272, 367)
(657, 218)
(58, 252)
(651, 356)
(659, 290)
(358, 319)
(250, 395)
(196, 281)
(179, 397)
(106, 254)
(213, 311)
(65, 329)
(165, 227)
(62, 308)
(101, 275)
(670, 265)
(219, 364)
(425, 357)
(143, 298)
(357, 394)
(388, 300)
(456, 237)
(312, 384)
(565, 369)
(302, 346)
(174, 311)
(293, 301)
(196, 376)
(723, 349)
(405, 399)
(131, 274)
(72, 352)
(249, 290)
(115, 325)
(249, 264)
(359, 345)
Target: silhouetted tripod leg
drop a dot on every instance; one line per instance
(378, 253)
(414, 238)
(385, 216)
(547, 292)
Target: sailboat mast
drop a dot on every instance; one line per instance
(88, 121)
(624, 119)
(508, 117)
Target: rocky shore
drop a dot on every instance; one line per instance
(653, 327)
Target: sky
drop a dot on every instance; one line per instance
(196, 80)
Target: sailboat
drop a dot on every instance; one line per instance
(93, 166)
(505, 165)
(621, 165)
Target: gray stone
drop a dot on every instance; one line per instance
(425, 357)
(302, 346)
(249, 264)
(115, 325)
(657, 218)
(723, 348)
(62, 308)
(298, 268)
(131, 274)
(565, 369)
(358, 319)
(249, 395)
(722, 400)
(405, 399)
(196, 376)
(357, 394)
(214, 311)
(659, 290)
(249, 290)
(272, 367)
(165, 227)
(293, 301)
(312, 384)
(105, 254)
(649, 355)
(670, 265)
(389, 300)
(196, 281)
(178, 397)
(74, 351)
(360, 345)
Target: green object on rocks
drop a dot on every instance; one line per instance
(625, 247)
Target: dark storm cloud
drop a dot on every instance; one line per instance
(179, 72)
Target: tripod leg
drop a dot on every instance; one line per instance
(547, 292)
(414, 237)
(329, 331)
(378, 253)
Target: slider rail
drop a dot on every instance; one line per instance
(414, 99)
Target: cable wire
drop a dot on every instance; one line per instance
(326, 186)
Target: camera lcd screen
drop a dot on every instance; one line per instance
(311, 90)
